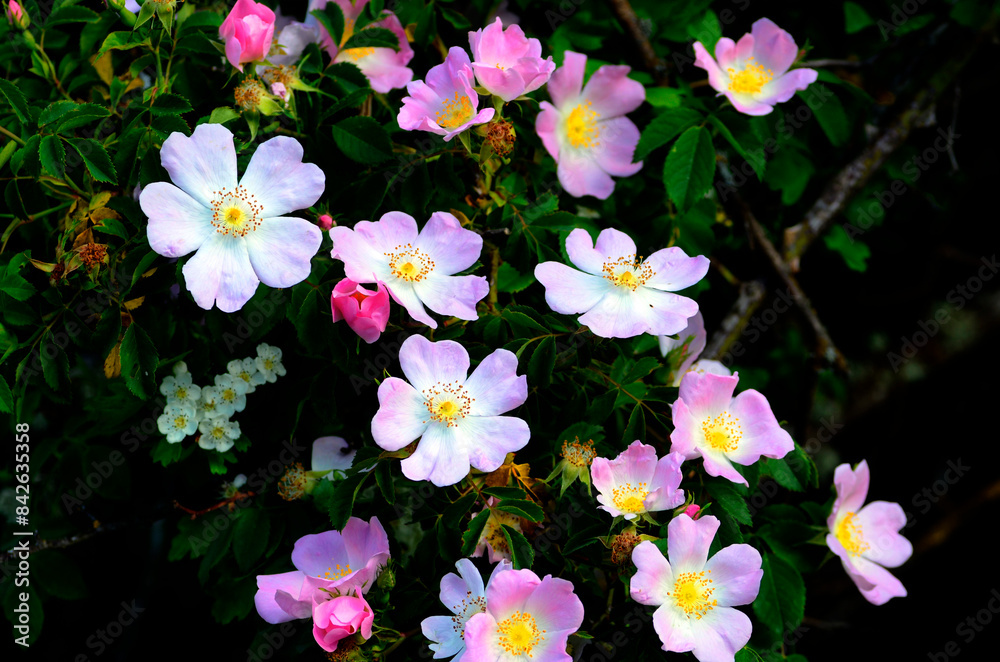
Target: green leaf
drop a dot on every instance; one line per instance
(855, 18)
(789, 171)
(167, 453)
(55, 365)
(13, 283)
(170, 104)
(780, 605)
(854, 252)
(665, 127)
(510, 280)
(16, 99)
(471, 536)
(522, 508)
(755, 157)
(250, 536)
(520, 549)
(362, 139)
(542, 363)
(372, 38)
(331, 17)
(748, 654)
(726, 497)
(689, 168)
(53, 155)
(636, 428)
(383, 476)
(96, 158)
(71, 14)
(782, 473)
(522, 324)
(342, 502)
(81, 115)
(139, 360)
(121, 41)
(829, 112)
(223, 114)
(6, 397)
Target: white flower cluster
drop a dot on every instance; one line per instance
(207, 409)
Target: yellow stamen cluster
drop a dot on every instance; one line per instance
(851, 536)
(409, 263)
(628, 271)
(457, 111)
(355, 54)
(519, 634)
(693, 593)
(723, 432)
(751, 79)
(447, 402)
(236, 212)
(630, 498)
(248, 94)
(292, 485)
(579, 454)
(336, 572)
(180, 421)
(581, 126)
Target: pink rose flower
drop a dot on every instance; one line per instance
(637, 482)
(753, 72)
(866, 538)
(366, 312)
(14, 12)
(710, 423)
(507, 63)
(341, 617)
(447, 104)
(247, 31)
(585, 128)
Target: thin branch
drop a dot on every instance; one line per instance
(62, 543)
(656, 65)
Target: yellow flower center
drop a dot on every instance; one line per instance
(630, 498)
(229, 395)
(236, 212)
(218, 433)
(751, 79)
(447, 403)
(409, 263)
(581, 126)
(693, 593)
(627, 271)
(722, 433)
(268, 364)
(180, 421)
(182, 393)
(851, 536)
(519, 634)
(457, 111)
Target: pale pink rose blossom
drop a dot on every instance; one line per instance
(754, 73)
(507, 63)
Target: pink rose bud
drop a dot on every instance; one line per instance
(325, 222)
(692, 510)
(279, 90)
(16, 15)
(366, 312)
(247, 31)
(340, 618)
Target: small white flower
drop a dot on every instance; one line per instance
(180, 368)
(177, 421)
(246, 370)
(239, 481)
(180, 389)
(232, 394)
(269, 362)
(218, 433)
(211, 405)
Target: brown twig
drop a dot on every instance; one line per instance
(826, 349)
(61, 542)
(239, 496)
(656, 65)
(751, 295)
